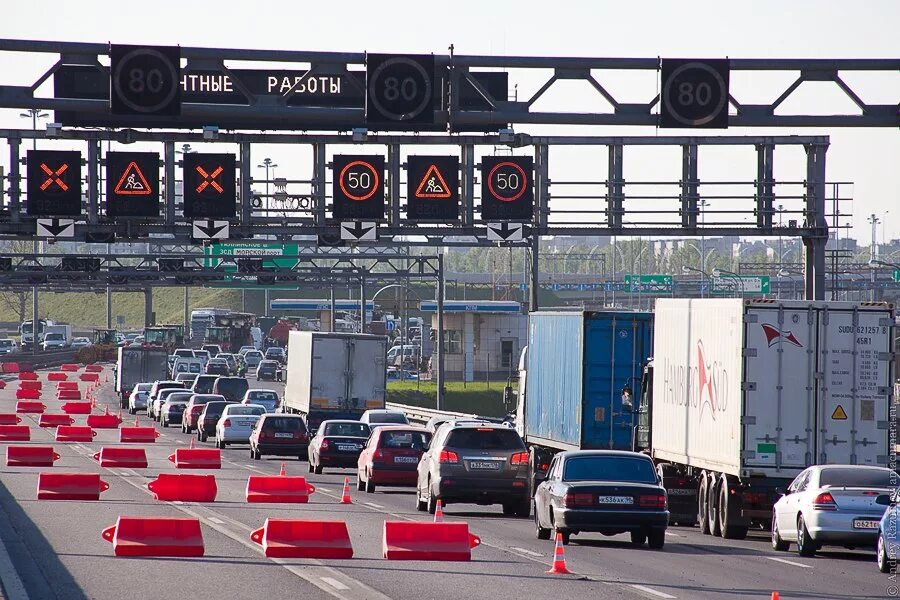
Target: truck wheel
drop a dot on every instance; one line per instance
(729, 532)
(638, 538)
(702, 517)
(712, 514)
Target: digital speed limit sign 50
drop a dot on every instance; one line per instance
(507, 190)
(358, 187)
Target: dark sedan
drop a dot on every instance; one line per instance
(337, 444)
(602, 491)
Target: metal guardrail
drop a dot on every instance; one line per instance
(48, 358)
(420, 416)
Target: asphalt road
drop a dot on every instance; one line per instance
(57, 551)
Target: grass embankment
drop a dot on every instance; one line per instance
(475, 398)
(89, 309)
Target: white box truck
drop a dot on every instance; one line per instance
(742, 395)
(334, 375)
(139, 365)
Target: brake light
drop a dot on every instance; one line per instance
(324, 445)
(519, 458)
(226, 423)
(824, 501)
(448, 456)
(652, 501)
(377, 456)
(574, 500)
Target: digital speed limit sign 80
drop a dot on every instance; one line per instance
(399, 89)
(507, 190)
(694, 93)
(145, 80)
(358, 187)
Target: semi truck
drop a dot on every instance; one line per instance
(139, 365)
(578, 378)
(743, 395)
(334, 375)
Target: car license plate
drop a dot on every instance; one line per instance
(864, 524)
(347, 448)
(681, 492)
(406, 459)
(615, 500)
(284, 435)
(484, 465)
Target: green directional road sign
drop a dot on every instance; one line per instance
(649, 284)
(896, 274)
(742, 284)
(282, 256)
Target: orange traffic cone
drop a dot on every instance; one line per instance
(137, 421)
(282, 472)
(439, 512)
(345, 497)
(559, 559)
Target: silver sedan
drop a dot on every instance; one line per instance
(831, 505)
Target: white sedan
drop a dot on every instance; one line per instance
(831, 505)
(237, 423)
(81, 342)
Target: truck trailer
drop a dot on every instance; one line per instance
(139, 365)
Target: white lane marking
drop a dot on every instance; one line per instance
(789, 562)
(372, 504)
(217, 521)
(651, 591)
(669, 533)
(526, 551)
(334, 583)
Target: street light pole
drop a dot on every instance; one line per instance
(36, 247)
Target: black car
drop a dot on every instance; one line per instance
(337, 444)
(204, 384)
(209, 417)
(233, 388)
(268, 370)
(277, 354)
(603, 491)
(217, 366)
(281, 435)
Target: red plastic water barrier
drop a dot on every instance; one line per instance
(30, 456)
(69, 367)
(294, 538)
(67, 394)
(104, 421)
(10, 419)
(408, 540)
(197, 458)
(278, 488)
(155, 536)
(10, 367)
(133, 458)
(31, 385)
(77, 408)
(75, 433)
(28, 394)
(138, 435)
(57, 376)
(70, 486)
(15, 433)
(67, 385)
(184, 487)
(89, 377)
(2, 385)
(55, 420)
(28, 406)
(27, 376)
(93, 369)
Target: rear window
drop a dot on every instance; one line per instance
(180, 397)
(284, 424)
(347, 429)
(416, 440)
(842, 477)
(263, 396)
(215, 408)
(246, 410)
(387, 417)
(231, 388)
(204, 385)
(485, 439)
(609, 468)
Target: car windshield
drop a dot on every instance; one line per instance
(53, 336)
(388, 417)
(485, 438)
(246, 410)
(284, 424)
(257, 396)
(609, 468)
(852, 477)
(360, 430)
(415, 440)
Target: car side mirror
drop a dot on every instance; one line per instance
(883, 500)
(782, 491)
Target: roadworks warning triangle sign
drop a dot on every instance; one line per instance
(433, 185)
(133, 182)
(839, 414)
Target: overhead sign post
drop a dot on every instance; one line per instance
(399, 89)
(358, 187)
(132, 184)
(54, 183)
(507, 190)
(209, 186)
(432, 188)
(145, 80)
(694, 93)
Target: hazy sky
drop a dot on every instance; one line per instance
(719, 28)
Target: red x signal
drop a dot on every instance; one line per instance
(53, 177)
(209, 179)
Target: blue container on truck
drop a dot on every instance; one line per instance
(577, 371)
